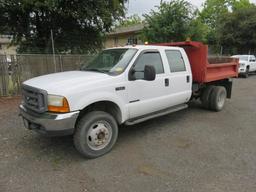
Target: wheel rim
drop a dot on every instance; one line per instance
(221, 99)
(99, 135)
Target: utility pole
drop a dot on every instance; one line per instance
(53, 52)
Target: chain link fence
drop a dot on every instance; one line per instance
(225, 51)
(14, 69)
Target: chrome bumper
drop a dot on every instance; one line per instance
(52, 124)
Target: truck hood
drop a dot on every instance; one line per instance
(57, 83)
(242, 61)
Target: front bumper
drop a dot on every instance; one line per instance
(242, 70)
(51, 124)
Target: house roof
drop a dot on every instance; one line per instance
(125, 30)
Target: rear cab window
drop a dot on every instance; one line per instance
(175, 61)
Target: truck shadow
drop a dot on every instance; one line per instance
(159, 123)
(55, 149)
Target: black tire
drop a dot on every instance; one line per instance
(205, 97)
(83, 142)
(218, 98)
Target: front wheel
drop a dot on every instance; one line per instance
(95, 134)
(246, 74)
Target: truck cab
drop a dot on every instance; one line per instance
(247, 64)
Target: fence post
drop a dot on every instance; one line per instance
(18, 75)
(4, 75)
(61, 63)
(1, 76)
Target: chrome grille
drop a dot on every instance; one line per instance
(34, 99)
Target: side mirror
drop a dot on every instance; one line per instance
(149, 73)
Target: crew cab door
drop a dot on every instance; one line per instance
(144, 96)
(180, 77)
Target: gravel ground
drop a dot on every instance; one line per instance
(191, 150)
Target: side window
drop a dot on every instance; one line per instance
(175, 61)
(148, 58)
(252, 59)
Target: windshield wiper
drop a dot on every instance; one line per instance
(96, 70)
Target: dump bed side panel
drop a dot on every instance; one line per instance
(217, 72)
(197, 55)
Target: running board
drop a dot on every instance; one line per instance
(156, 114)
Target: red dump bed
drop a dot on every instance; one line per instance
(206, 69)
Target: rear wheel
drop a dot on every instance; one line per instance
(96, 133)
(205, 97)
(218, 98)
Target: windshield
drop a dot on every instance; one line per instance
(112, 61)
(242, 57)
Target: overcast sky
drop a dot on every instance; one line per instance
(144, 6)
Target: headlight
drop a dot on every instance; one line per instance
(58, 103)
(242, 64)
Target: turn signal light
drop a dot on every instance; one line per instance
(60, 109)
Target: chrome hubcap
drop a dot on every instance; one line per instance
(221, 99)
(99, 135)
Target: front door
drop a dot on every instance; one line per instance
(144, 96)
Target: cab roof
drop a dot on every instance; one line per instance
(145, 47)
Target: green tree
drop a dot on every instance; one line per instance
(173, 21)
(240, 4)
(215, 10)
(129, 21)
(77, 25)
(212, 11)
(198, 31)
(237, 30)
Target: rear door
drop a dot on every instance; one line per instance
(180, 76)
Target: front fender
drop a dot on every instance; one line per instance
(79, 103)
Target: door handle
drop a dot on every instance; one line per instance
(166, 82)
(188, 79)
